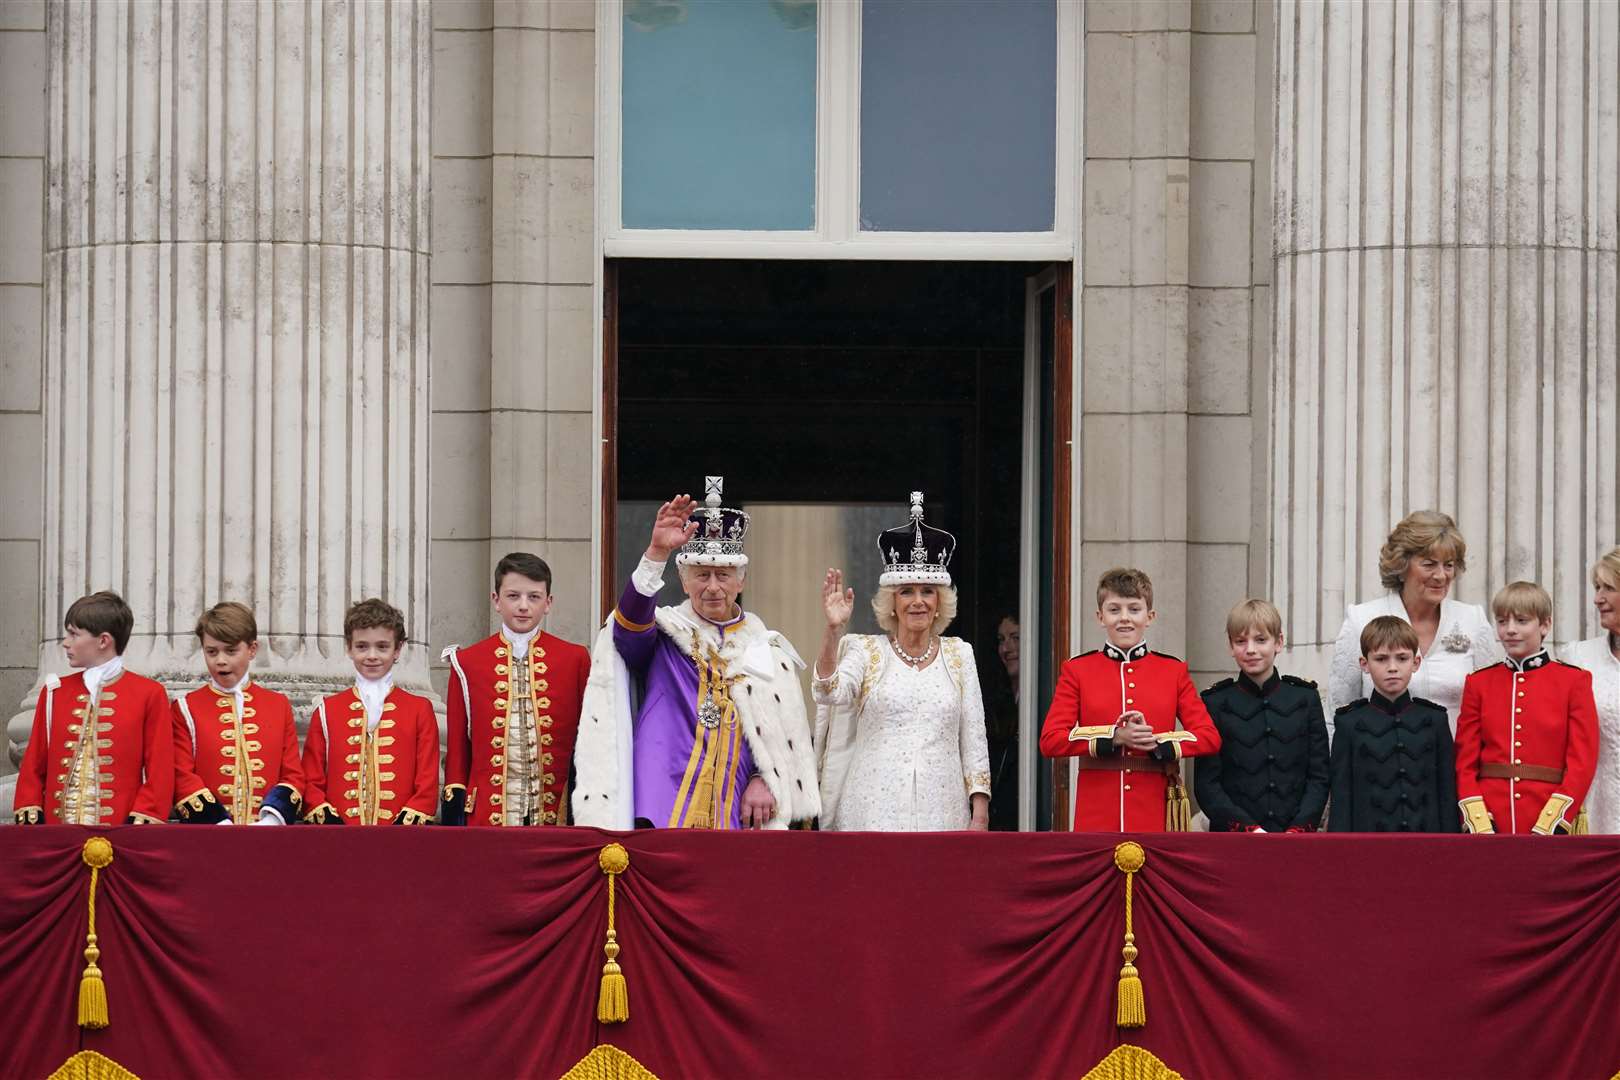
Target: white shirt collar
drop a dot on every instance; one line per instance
(234, 691)
(102, 674)
(519, 642)
(373, 693)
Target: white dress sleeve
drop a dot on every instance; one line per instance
(1344, 677)
(844, 684)
(975, 746)
(1485, 648)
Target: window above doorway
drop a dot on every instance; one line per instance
(839, 129)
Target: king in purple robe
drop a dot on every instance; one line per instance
(694, 715)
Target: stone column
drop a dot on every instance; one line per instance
(236, 323)
(1445, 292)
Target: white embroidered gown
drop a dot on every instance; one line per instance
(1603, 799)
(918, 750)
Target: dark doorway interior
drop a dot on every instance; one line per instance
(838, 383)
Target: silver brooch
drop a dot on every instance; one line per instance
(1457, 641)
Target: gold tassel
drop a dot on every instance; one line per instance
(1132, 1010)
(1581, 826)
(613, 1002)
(1177, 807)
(98, 853)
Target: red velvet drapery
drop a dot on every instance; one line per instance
(397, 953)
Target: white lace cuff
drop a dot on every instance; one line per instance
(648, 577)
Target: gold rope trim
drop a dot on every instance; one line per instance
(1132, 1011)
(1128, 1062)
(608, 1063)
(97, 854)
(613, 1000)
(89, 1065)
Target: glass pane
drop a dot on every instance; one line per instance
(719, 117)
(958, 115)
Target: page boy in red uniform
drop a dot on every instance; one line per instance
(1117, 710)
(372, 754)
(513, 709)
(1527, 735)
(101, 752)
(235, 742)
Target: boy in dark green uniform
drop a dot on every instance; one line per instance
(1272, 772)
(1392, 767)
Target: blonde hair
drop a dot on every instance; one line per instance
(1253, 614)
(1388, 632)
(883, 607)
(1606, 571)
(1522, 598)
(1420, 532)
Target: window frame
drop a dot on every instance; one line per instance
(837, 233)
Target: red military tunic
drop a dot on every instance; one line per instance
(1531, 727)
(232, 763)
(1093, 690)
(482, 710)
(355, 775)
(124, 773)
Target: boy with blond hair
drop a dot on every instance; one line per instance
(1117, 709)
(372, 753)
(1271, 774)
(101, 752)
(1390, 769)
(1527, 735)
(235, 742)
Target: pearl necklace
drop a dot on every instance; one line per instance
(915, 661)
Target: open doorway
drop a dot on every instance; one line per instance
(824, 392)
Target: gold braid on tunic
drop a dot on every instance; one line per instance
(711, 770)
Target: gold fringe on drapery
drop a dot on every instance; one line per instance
(89, 1065)
(97, 854)
(606, 1062)
(1132, 1010)
(1128, 1062)
(613, 1001)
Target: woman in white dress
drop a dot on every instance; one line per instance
(1601, 656)
(899, 717)
(1418, 564)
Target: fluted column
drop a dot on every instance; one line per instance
(236, 322)
(1445, 294)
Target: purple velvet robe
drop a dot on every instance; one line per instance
(666, 724)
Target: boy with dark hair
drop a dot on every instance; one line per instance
(372, 754)
(1272, 772)
(1527, 735)
(235, 744)
(513, 709)
(105, 730)
(1391, 766)
(1116, 709)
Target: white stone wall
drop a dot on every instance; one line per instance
(1175, 311)
(1445, 333)
(514, 214)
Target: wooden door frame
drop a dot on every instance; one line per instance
(610, 438)
(1062, 506)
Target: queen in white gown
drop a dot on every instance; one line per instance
(899, 718)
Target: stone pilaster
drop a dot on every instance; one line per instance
(22, 290)
(1445, 295)
(236, 269)
(514, 174)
